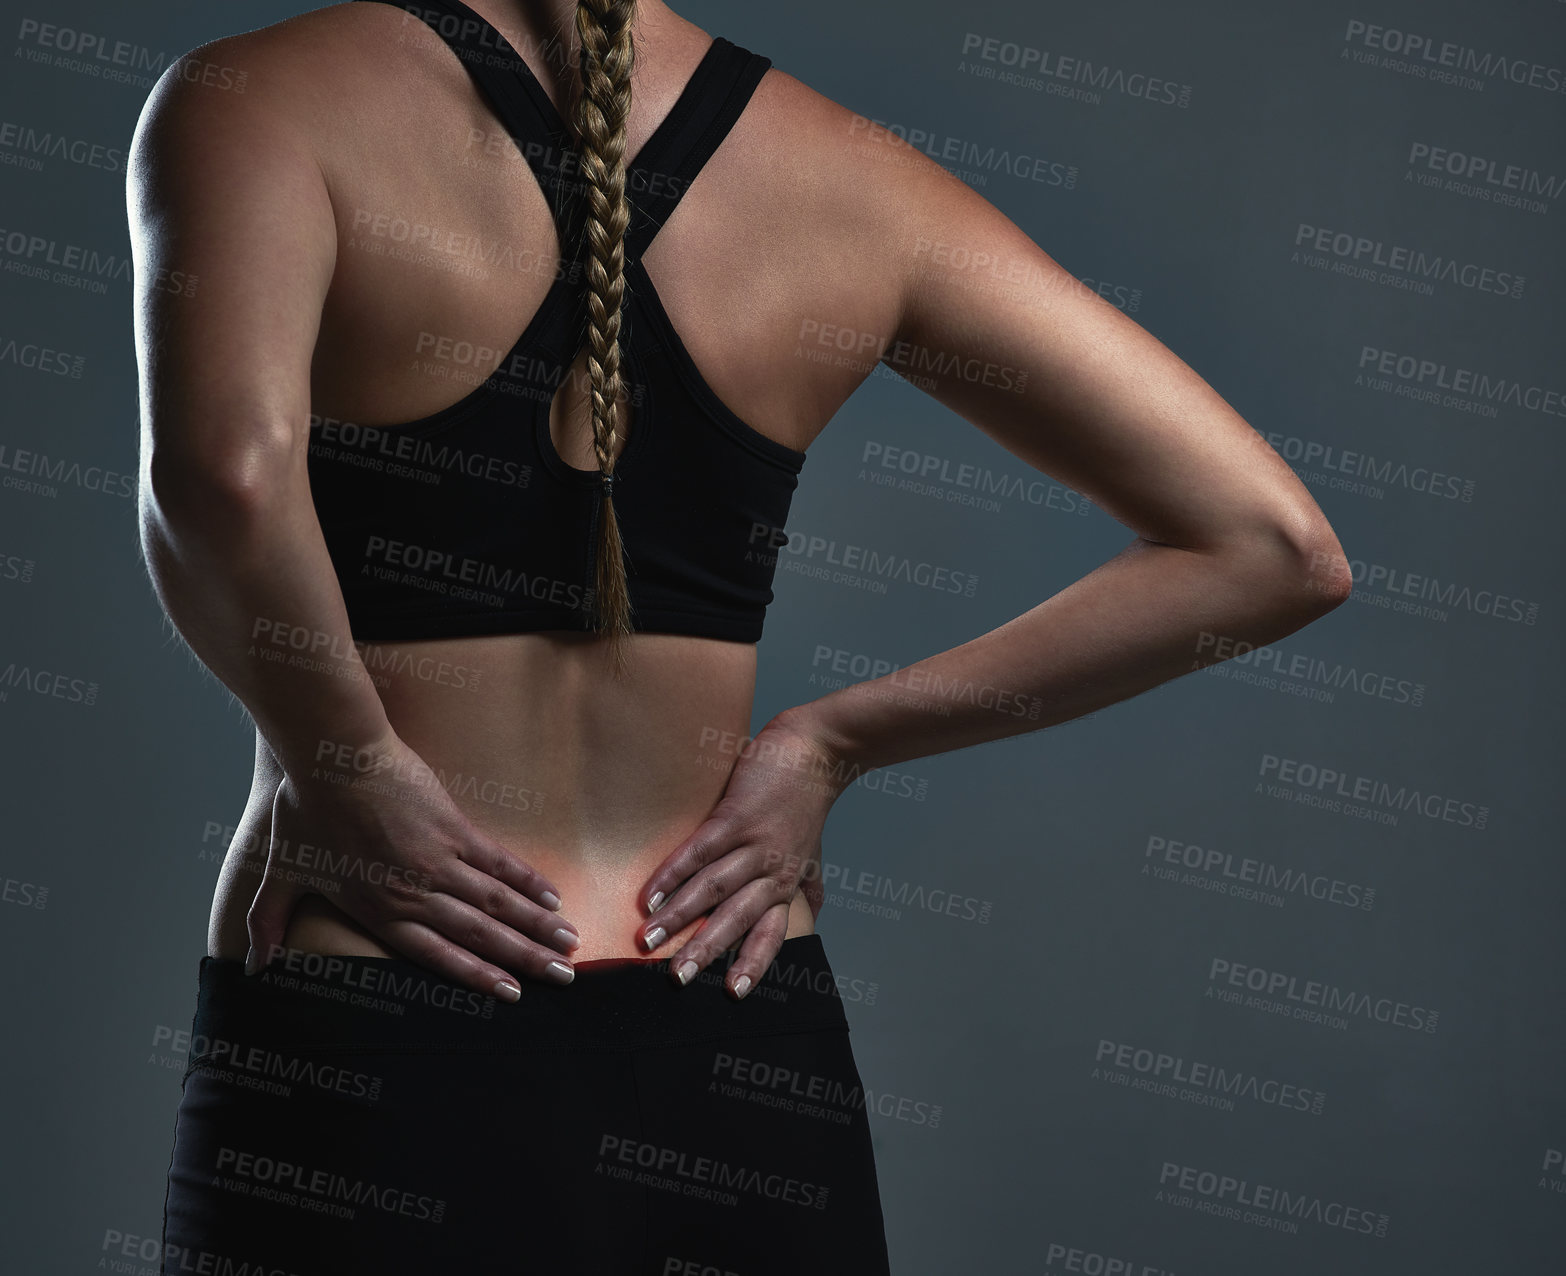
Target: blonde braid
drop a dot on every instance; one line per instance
(602, 109)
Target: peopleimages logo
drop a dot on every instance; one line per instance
(259, 1067)
(1317, 780)
(39, 253)
(980, 160)
(89, 44)
(375, 988)
(1414, 53)
(94, 478)
(468, 579)
(475, 251)
(1342, 467)
(1279, 1208)
(813, 1094)
(963, 482)
(1364, 256)
(1433, 376)
(1480, 177)
(1312, 1000)
(1384, 585)
(320, 1190)
(46, 683)
(877, 565)
(853, 890)
(942, 692)
(1036, 68)
(1327, 675)
(405, 455)
(1226, 873)
(1196, 1080)
(978, 269)
(703, 1177)
(28, 143)
(115, 61)
(29, 354)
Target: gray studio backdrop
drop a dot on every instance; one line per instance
(1260, 972)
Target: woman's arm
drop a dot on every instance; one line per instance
(1151, 613)
(222, 193)
(226, 195)
(1231, 548)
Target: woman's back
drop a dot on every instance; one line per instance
(446, 247)
(773, 235)
(810, 244)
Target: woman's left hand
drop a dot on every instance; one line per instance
(742, 867)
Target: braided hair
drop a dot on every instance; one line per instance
(603, 107)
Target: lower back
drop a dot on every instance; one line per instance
(591, 780)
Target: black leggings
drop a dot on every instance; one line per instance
(360, 1114)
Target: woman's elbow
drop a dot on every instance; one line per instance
(1306, 568)
(216, 487)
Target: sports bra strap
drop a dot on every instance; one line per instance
(514, 92)
(667, 162)
(687, 137)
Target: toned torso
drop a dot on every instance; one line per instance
(590, 780)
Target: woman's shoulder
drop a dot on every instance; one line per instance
(284, 81)
(318, 52)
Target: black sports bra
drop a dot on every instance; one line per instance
(468, 521)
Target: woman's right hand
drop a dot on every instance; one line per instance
(385, 843)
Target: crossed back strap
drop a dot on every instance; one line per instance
(664, 167)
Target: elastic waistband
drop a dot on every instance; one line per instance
(310, 999)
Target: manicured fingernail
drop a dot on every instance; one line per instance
(655, 901)
(742, 985)
(559, 970)
(507, 991)
(654, 937)
(686, 972)
(250, 961)
(549, 900)
(567, 938)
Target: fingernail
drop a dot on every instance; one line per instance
(657, 899)
(686, 972)
(742, 985)
(567, 938)
(507, 991)
(250, 961)
(654, 937)
(549, 900)
(559, 970)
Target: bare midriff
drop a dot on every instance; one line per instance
(590, 780)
